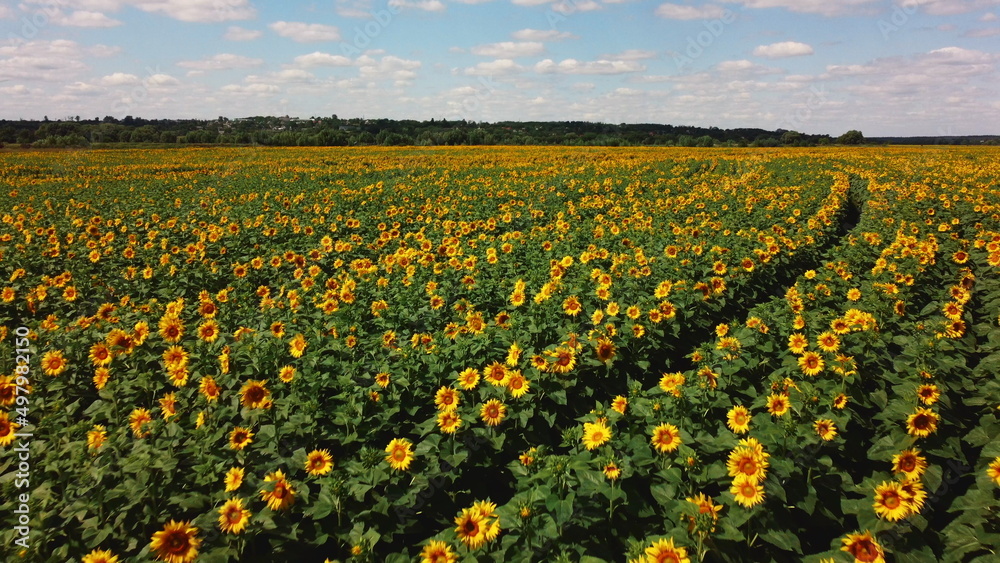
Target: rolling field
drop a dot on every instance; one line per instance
(500, 354)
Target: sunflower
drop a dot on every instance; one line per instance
(168, 405)
(914, 494)
(670, 383)
(398, 454)
(233, 518)
(778, 404)
(176, 543)
(493, 412)
(137, 419)
(286, 374)
(666, 438)
(910, 463)
(95, 437)
(747, 492)
(446, 399)
(619, 404)
(234, 478)
(564, 360)
(8, 391)
(278, 329)
(101, 376)
(605, 350)
(281, 496)
(595, 434)
(748, 462)
(208, 331)
(209, 388)
(840, 401)
(319, 462)
(664, 550)
(496, 373)
(797, 343)
(100, 556)
(53, 362)
(826, 429)
(705, 505)
(738, 419)
(449, 421)
(468, 378)
(612, 471)
(437, 552)
(382, 379)
(928, 394)
(175, 357)
(7, 430)
(297, 345)
(828, 342)
(571, 306)
(224, 360)
(890, 501)
(255, 395)
(922, 423)
(811, 363)
(863, 547)
(100, 354)
(517, 384)
(240, 438)
(471, 528)
(171, 328)
(993, 471)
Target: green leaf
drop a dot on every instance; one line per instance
(782, 539)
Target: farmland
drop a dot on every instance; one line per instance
(501, 354)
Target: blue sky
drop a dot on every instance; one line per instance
(886, 67)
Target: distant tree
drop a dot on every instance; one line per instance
(791, 138)
(852, 137)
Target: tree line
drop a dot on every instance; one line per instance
(334, 131)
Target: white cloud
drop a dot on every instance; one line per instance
(743, 67)
(206, 11)
(822, 7)
(237, 33)
(783, 49)
(251, 89)
(353, 8)
(119, 79)
(497, 67)
(321, 59)
(988, 17)
(567, 7)
(222, 61)
(103, 51)
(161, 80)
(573, 66)
(986, 32)
(425, 5)
(630, 55)
(509, 49)
(287, 76)
(6, 12)
(950, 7)
(541, 35)
(682, 12)
(84, 18)
(305, 32)
(388, 67)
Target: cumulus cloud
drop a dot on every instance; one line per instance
(783, 49)
(509, 49)
(541, 35)
(424, 5)
(573, 66)
(497, 67)
(222, 61)
(321, 59)
(631, 55)
(206, 11)
(119, 79)
(305, 32)
(84, 18)
(237, 33)
(821, 7)
(686, 12)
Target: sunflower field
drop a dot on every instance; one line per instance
(500, 354)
